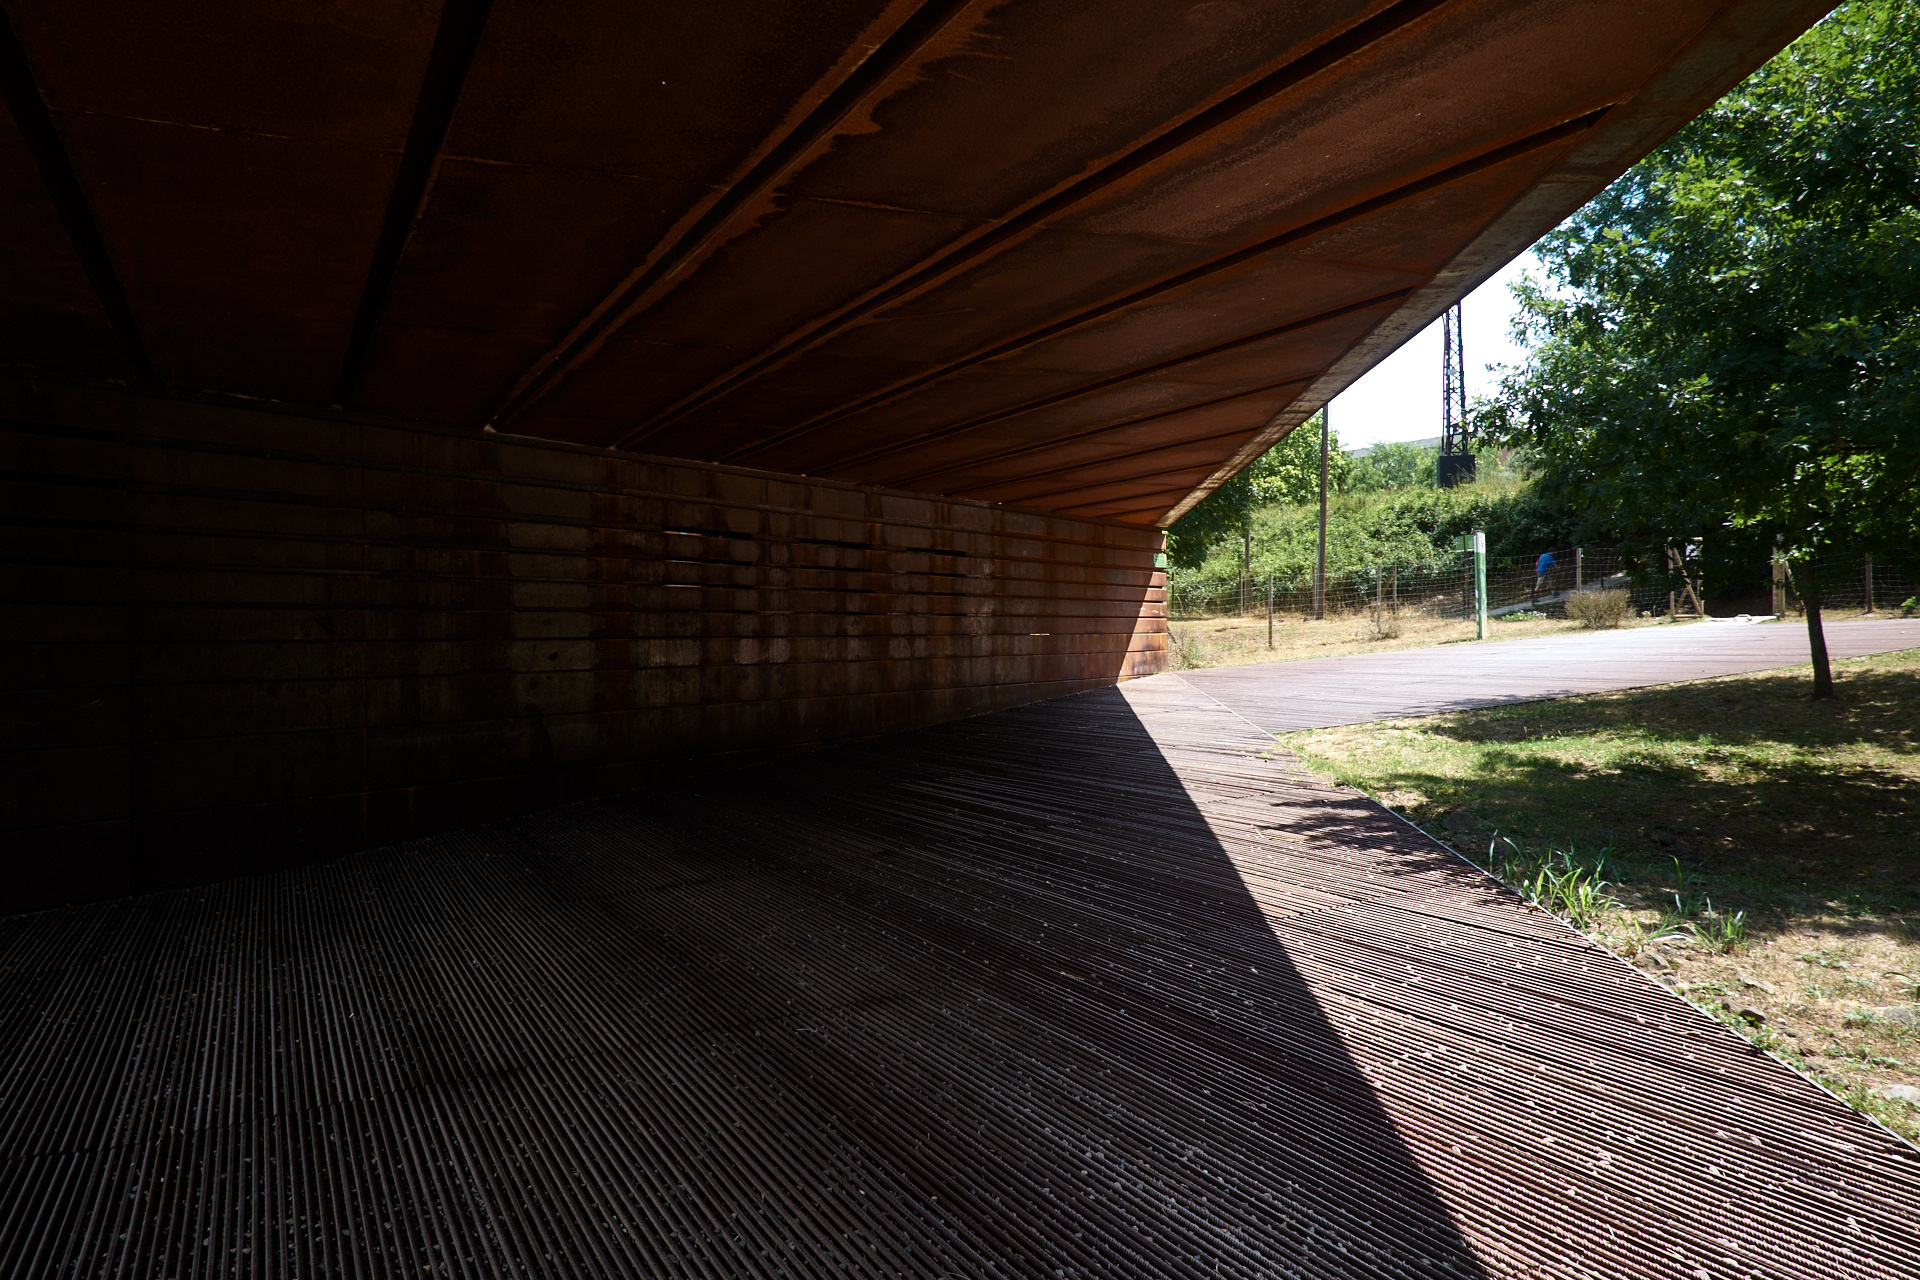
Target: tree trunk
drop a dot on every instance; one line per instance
(1817, 643)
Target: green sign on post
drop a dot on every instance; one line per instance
(1480, 583)
(1475, 545)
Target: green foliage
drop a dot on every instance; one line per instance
(1383, 510)
(1413, 528)
(1388, 467)
(1222, 513)
(1728, 340)
(1288, 473)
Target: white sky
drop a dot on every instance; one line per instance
(1399, 398)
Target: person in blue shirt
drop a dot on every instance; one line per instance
(1542, 570)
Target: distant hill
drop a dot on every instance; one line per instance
(1431, 442)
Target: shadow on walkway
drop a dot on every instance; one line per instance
(990, 999)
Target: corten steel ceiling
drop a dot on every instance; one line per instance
(1081, 257)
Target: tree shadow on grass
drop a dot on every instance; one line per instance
(1780, 800)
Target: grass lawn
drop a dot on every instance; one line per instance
(1757, 851)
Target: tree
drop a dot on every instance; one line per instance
(1287, 474)
(1393, 466)
(1728, 342)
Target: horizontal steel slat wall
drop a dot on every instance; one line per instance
(238, 638)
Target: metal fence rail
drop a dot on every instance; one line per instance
(1876, 588)
(1443, 588)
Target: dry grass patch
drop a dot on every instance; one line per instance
(1751, 848)
(1229, 642)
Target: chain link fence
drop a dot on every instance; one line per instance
(1861, 584)
(1442, 587)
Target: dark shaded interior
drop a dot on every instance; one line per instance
(990, 1000)
(223, 657)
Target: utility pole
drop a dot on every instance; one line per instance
(1455, 464)
(1320, 567)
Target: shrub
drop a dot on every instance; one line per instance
(1188, 649)
(1598, 610)
(1380, 626)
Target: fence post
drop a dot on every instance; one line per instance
(1869, 600)
(1577, 579)
(1269, 611)
(1465, 543)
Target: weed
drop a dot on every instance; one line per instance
(1189, 649)
(1639, 935)
(1719, 931)
(1688, 899)
(1574, 891)
(1383, 625)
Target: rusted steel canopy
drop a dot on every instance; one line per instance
(1087, 258)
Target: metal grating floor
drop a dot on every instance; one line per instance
(1090, 988)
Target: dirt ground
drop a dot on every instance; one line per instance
(1236, 641)
(1229, 642)
(1754, 850)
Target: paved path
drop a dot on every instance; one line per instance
(1098, 987)
(1316, 692)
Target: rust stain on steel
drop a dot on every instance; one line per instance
(1096, 987)
(871, 239)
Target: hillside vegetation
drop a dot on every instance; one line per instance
(1383, 510)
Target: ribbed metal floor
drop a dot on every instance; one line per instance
(1089, 988)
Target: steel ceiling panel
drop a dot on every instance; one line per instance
(1026, 251)
(238, 157)
(52, 316)
(586, 135)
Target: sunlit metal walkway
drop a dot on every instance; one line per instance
(1096, 987)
